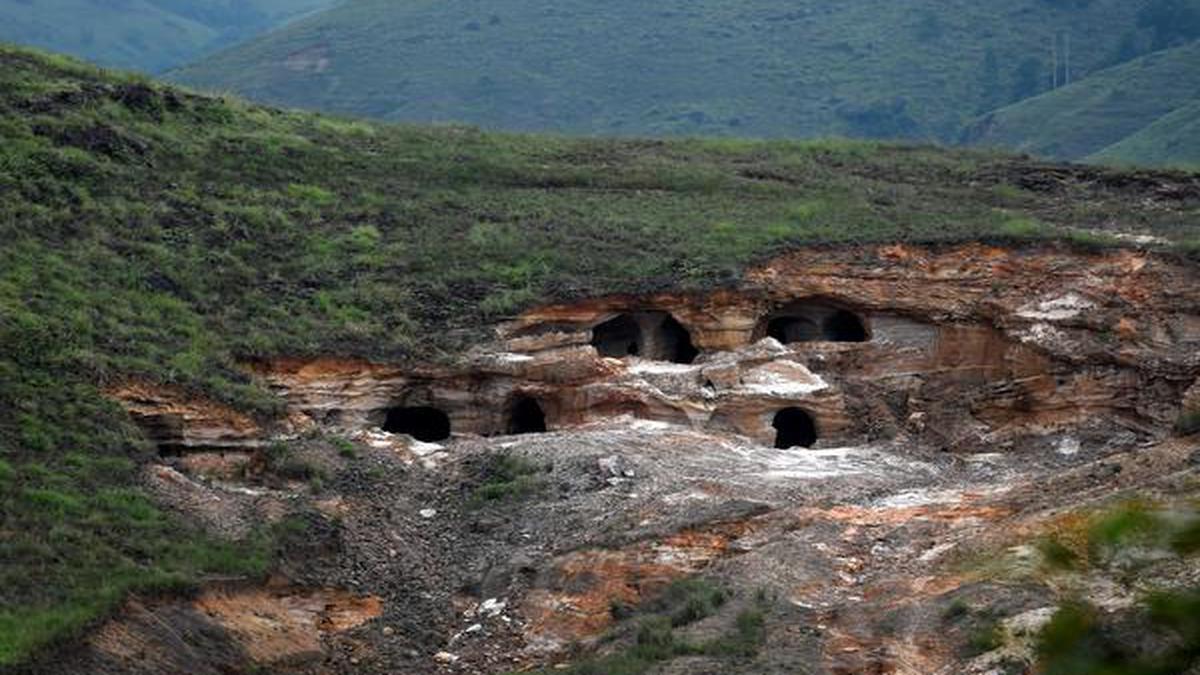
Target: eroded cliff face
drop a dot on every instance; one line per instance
(838, 432)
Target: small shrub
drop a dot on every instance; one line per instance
(1025, 228)
(987, 635)
(508, 476)
(1056, 555)
(956, 610)
(345, 448)
(311, 194)
(1188, 423)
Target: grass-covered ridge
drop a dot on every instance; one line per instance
(1143, 111)
(146, 231)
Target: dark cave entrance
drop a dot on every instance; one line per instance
(844, 326)
(618, 338)
(788, 329)
(813, 321)
(422, 423)
(794, 428)
(527, 417)
(651, 335)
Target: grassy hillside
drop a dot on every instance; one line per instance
(766, 68)
(148, 35)
(155, 233)
(1094, 115)
(1172, 140)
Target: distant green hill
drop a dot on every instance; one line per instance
(876, 68)
(1144, 111)
(147, 35)
(1172, 140)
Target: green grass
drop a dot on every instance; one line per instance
(656, 639)
(1188, 422)
(1141, 112)
(151, 233)
(1081, 640)
(508, 477)
(766, 68)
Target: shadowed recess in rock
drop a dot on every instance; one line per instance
(808, 321)
(651, 335)
(422, 423)
(794, 428)
(844, 326)
(527, 417)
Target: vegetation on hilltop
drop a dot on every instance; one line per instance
(151, 232)
(149, 35)
(1138, 112)
(1172, 140)
(768, 68)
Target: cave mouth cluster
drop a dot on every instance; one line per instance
(656, 335)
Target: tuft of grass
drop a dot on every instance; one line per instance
(1056, 555)
(682, 603)
(1023, 228)
(1188, 422)
(345, 448)
(986, 635)
(508, 477)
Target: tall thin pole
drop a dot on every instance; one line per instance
(1054, 61)
(1067, 39)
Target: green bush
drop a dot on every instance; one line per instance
(1188, 423)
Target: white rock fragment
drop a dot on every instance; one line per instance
(783, 378)
(445, 657)
(1068, 446)
(492, 607)
(428, 513)
(1059, 308)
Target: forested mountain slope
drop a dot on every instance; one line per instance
(1142, 111)
(1172, 140)
(147, 35)
(755, 68)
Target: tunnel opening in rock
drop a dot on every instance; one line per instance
(845, 326)
(675, 342)
(788, 329)
(618, 338)
(527, 417)
(794, 428)
(813, 321)
(652, 335)
(423, 423)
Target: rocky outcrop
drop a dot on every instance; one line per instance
(224, 630)
(178, 421)
(961, 346)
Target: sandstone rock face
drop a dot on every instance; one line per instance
(968, 345)
(223, 629)
(178, 421)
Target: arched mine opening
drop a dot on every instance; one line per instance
(794, 427)
(651, 335)
(425, 424)
(789, 329)
(618, 338)
(844, 326)
(813, 322)
(527, 417)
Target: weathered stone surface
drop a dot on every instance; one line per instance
(177, 420)
(999, 392)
